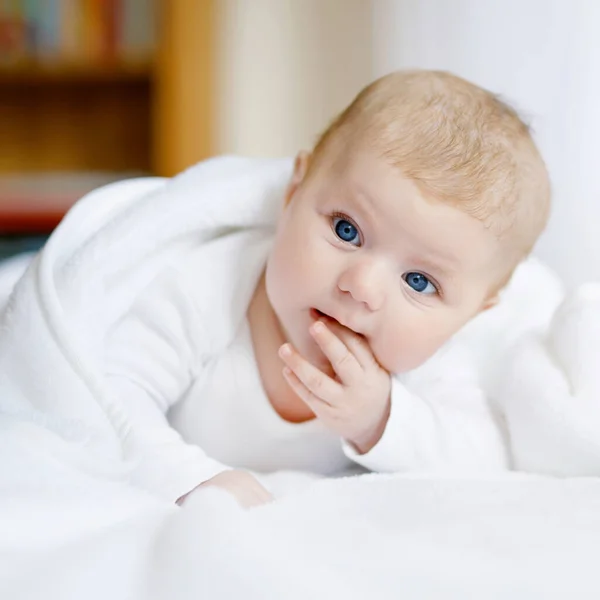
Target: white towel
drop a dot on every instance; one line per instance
(72, 527)
(109, 246)
(117, 239)
(11, 270)
(375, 536)
(550, 391)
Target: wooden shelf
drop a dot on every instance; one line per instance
(39, 73)
(152, 116)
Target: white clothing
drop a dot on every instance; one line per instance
(184, 349)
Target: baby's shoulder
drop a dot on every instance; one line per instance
(223, 265)
(213, 283)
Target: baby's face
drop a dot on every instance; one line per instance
(358, 243)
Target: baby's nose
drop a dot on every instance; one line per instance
(364, 282)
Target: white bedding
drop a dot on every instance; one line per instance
(72, 527)
(11, 271)
(375, 536)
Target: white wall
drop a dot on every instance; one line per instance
(285, 68)
(544, 56)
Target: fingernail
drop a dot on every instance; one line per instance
(285, 350)
(318, 327)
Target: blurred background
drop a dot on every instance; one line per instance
(97, 90)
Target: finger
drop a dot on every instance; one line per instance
(264, 496)
(356, 344)
(256, 502)
(259, 488)
(321, 385)
(260, 495)
(251, 497)
(344, 363)
(261, 501)
(318, 406)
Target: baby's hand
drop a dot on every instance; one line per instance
(356, 406)
(240, 484)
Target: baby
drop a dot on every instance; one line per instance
(304, 350)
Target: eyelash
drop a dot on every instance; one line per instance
(434, 283)
(343, 216)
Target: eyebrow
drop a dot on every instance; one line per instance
(365, 204)
(445, 266)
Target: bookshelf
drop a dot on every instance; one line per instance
(82, 104)
(92, 95)
(31, 72)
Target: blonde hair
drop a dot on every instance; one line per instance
(459, 143)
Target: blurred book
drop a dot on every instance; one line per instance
(34, 203)
(75, 31)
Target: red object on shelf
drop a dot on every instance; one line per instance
(32, 214)
(13, 38)
(36, 203)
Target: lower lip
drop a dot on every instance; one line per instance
(315, 315)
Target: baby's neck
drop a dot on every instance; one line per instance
(267, 337)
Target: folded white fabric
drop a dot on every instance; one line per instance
(118, 238)
(375, 536)
(72, 527)
(11, 270)
(550, 391)
(109, 246)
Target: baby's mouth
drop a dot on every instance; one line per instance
(317, 315)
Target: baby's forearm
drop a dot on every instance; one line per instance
(455, 431)
(164, 463)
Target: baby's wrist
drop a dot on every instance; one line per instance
(367, 442)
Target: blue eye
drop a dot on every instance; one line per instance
(419, 283)
(346, 231)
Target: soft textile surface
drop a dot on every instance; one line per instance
(11, 271)
(367, 537)
(72, 527)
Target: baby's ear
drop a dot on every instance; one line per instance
(490, 302)
(301, 165)
(494, 295)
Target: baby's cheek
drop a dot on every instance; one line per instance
(285, 269)
(407, 349)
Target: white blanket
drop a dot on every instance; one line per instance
(72, 527)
